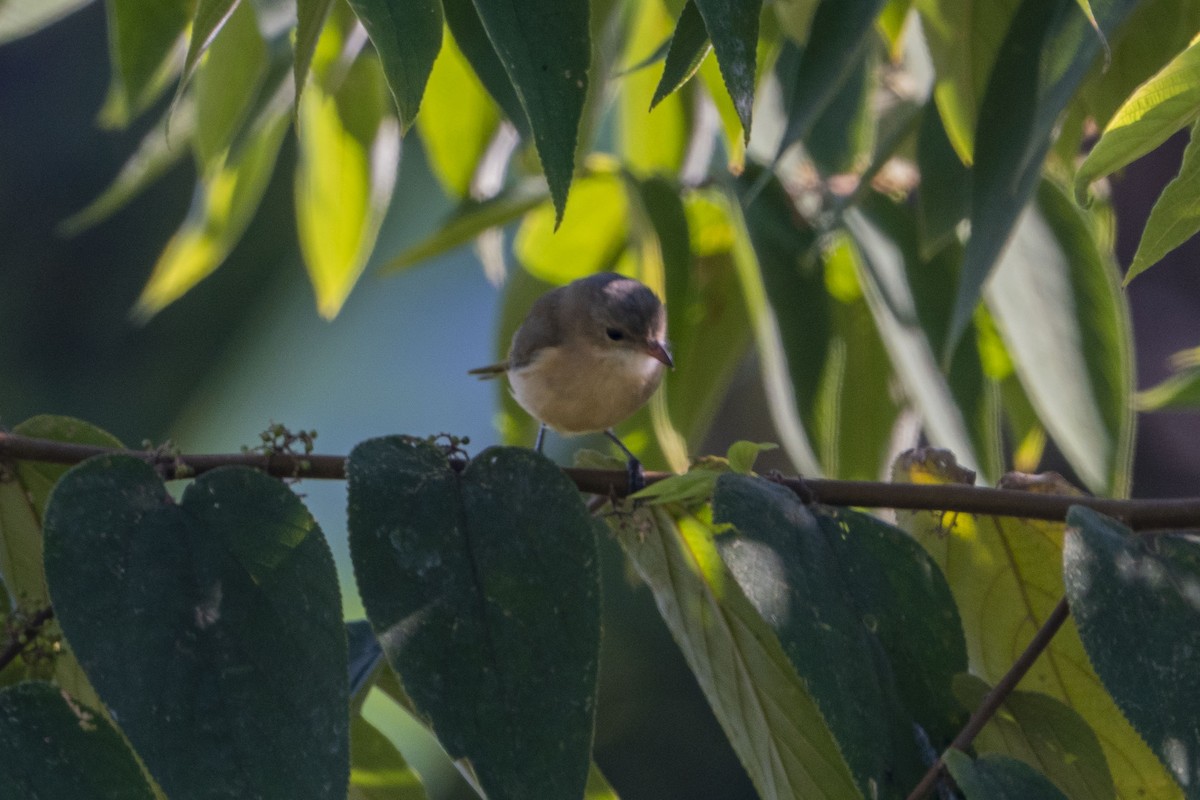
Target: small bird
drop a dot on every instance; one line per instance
(587, 356)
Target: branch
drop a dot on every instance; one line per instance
(999, 693)
(19, 640)
(1139, 514)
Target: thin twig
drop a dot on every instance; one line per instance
(1181, 512)
(20, 640)
(999, 693)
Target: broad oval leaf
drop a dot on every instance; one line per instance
(763, 705)
(545, 48)
(407, 34)
(484, 591)
(584, 244)
(51, 746)
(995, 777)
(1135, 601)
(22, 17)
(348, 161)
(1055, 285)
(463, 21)
(732, 27)
(1175, 217)
(212, 629)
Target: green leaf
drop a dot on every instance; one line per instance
(457, 122)
(1045, 55)
(225, 201)
(1044, 733)
(842, 30)
(1168, 101)
(964, 37)
(1175, 217)
(830, 588)
(598, 787)
(50, 746)
(545, 48)
(655, 142)
(944, 197)
(484, 592)
(998, 778)
(1179, 391)
(407, 34)
(842, 136)
(743, 454)
(584, 244)
(763, 705)
(310, 20)
(1055, 285)
(142, 35)
(207, 22)
(463, 21)
(469, 220)
(377, 770)
(1006, 578)
(689, 47)
(732, 26)
(228, 83)
(20, 18)
(1134, 600)
(348, 161)
(212, 629)
(795, 17)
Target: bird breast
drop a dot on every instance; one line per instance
(591, 390)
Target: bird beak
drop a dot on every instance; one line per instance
(658, 351)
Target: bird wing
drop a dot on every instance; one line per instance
(490, 372)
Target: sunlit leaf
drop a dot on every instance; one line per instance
(689, 47)
(1006, 577)
(1046, 53)
(733, 134)
(22, 17)
(732, 27)
(1044, 733)
(777, 731)
(743, 454)
(463, 21)
(377, 770)
(998, 778)
(1175, 217)
(1179, 391)
(1054, 285)
(598, 787)
(545, 48)
(349, 154)
(142, 40)
(224, 203)
(586, 243)
(1137, 604)
(407, 36)
(1168, 101)
(210, 17)
(656, 141)
(457, 122)
(227, 83)
(310, 19)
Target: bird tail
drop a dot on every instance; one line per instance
(490, 372)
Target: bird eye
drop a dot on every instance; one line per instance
(615, 334)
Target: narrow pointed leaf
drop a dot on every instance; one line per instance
(1047, 52)
(142, 34)
(732, 27)
(1135, 603)
(1055, 285)
(463, 21)
(228, 83)
(545, 48)
(655, 142)
(210, 16)
(689, 47)
(407, 35)
(944, 197)
(349, 157)
(20, 18)
(1180, 391)
(1175, 217)
(310, 19)
(484, 592)
(1168, 101)
(50, 746)
(764, 706)
(233, 595)
(998, 778)
(377, 770)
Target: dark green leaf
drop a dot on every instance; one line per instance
(377, 770)
(545, 48)
(228, 83)
(860, 611)
(484, 591)
(944, 198)
(212, 629)
(842, 134)
(208, 20)
(998, 778)
(1046, 53)
(141, 37)
(1046, 734)
(841, 32)
(310, 19)
(22, 17)
(1135, 602)
(467, 29)
(407, 34)
(52, 747)
(689, 46)
(732, 26)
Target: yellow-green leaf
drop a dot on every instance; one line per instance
(407, 36)
(650, 141)
(1175, 217)
(228, 82)
(142, 35)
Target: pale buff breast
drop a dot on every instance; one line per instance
(594, 391)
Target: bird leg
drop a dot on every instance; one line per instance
(633, 467)
(541, 437)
